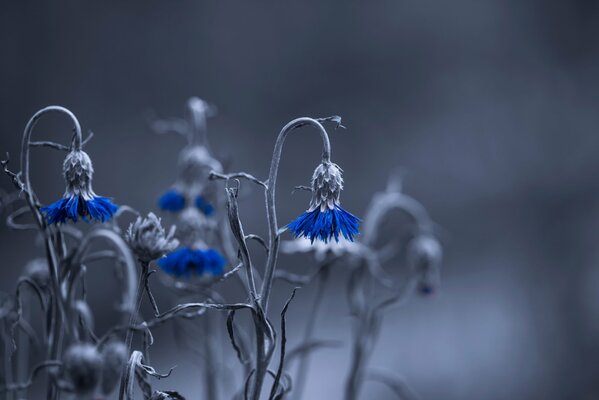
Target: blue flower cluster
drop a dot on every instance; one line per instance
(75, 207)
(174, 201)
(204, 206)
(186, 262)
(325, 225)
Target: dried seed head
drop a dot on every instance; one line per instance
(424, 255)
(148, 239)
(114, 355)
(327, 184)
(78, 171)
(37, 271)
(195, 164)
(83, 368)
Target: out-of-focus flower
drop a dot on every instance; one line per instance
(79, 200)
(326, 219)
(114, 356)
(37, 271)
(8, 309)
(424, 254)
(186, 262)
(204, 206)
(148, 239)
(83, 368)
(172, 200)
(320, 249)
(195, 164)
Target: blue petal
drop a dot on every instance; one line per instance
(172, 201)
(213, 262)
(179, 263)
(56, 212)
(186, 262)
(325, 225)
(99, 209)
(204, 206)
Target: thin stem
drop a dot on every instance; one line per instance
(58, 306)
(304, 361)
(274, 238)
(143, 276)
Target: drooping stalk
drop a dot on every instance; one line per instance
(262, 358)
(271, 212)
(57, 312)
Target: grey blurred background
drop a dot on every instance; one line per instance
(491, 108)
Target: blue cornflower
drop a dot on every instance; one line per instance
(326, 219)
(186, 262)
(204, 206)
(172, 200)
(79, 200)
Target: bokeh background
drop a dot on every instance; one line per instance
(489, 107)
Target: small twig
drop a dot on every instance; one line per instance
(301, 187)
(257, 239)
(36, 370)
(275, 385)
(52, 145)
(149, 292)
(15, 178)
(215, 175)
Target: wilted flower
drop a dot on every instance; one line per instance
(114, 356)
(204, 206)
(325, 218)
(172, 200)
(424, 254)
(79, 199)
(148, 239)
(186, 262)
(83, 368)
(195, 163)
(37, 271)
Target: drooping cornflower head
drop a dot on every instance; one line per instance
(188, 262)
(424, 253)
(326, 219)
(79, 200)
(148, 239)
(195, 164)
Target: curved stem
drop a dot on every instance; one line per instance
(274, 238)
(198, 110)
(58, 306)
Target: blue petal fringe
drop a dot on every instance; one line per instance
(325, 225)
(186, 262)
(99, 208)
(204, 206)
(172, 201)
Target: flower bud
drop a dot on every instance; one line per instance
(114, 356)
(424, 256)
(327, 184)
(148, 239)
(83, 368)
(195, 163)
(78, 171)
